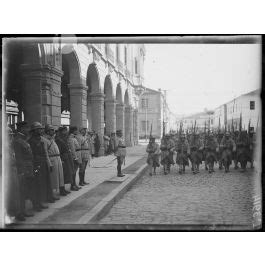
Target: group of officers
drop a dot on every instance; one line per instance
(42, 160)
(210, 147)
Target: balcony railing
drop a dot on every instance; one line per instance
(109, 53)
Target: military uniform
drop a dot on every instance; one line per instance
(196, 148)
(43, 191)
(167, 147)
(227, 146)
(76, 154)
(153, 156)
(183, 150)
(85, 152)
(242, 149)
(211, 148)
(120, 152)
(24, 164)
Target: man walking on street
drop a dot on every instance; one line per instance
(120, 152)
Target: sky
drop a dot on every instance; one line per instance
(199, 76)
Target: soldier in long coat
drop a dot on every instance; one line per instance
(196, 148)
(120, 152)
(75, 151)
(85, 152)
(183, 150)
(153, 155)
(211, 148)
(24, 163)
(56, 175)
(242, 149)
(227, 146)
(167, 148)
(43, 191)
(66, 158)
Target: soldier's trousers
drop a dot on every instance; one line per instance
(82, 170)
(119, 164)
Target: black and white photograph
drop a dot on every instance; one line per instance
(132, 133)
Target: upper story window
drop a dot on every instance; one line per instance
(125, 55)
(135, 66)
(252, 105)
(144, 103)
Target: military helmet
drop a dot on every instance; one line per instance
(49, 128)
(36, 125)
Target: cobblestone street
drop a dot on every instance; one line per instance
(202, 199)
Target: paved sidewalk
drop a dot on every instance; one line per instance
(102, 169)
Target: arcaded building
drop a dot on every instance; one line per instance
(74, 82)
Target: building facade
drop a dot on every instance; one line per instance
(83, 84)
(201, 118)
(247, 105)
(153, 111)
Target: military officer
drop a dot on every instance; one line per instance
(120, 152)
(153, 155)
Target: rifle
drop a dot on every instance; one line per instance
(204, 142)
(249, 127)
(194, 127)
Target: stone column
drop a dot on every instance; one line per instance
(110, 116)
(97, 103)
(120, 117)
(41, 97)
(136, 132)
(78, 105)
(128, 125)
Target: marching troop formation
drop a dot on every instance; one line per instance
(192, 148)
(42, 160)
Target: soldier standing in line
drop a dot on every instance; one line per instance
(242, 149)
(43, 191)
(24, 163)
(183, 150)
(234, 155)
(153, 155)
(196, 148)
(252, 142)
(227, 146)
(211, 148)
(120, 152)
(220, 136)
(76, 153)
(66, 157)
(167, 147)
(83, 142)
(57, 178)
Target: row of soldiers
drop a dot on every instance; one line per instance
(211, 147)
(41, 161)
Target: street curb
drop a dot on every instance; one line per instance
(103, 207)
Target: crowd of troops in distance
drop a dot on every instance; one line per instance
(41, 161)
(194, 147)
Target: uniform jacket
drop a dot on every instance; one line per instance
(24, 157)
(85, 146)
(228, 143)
(120, 147)
(75, 148)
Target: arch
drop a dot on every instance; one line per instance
(108, 88)
(71, 59)
(126, 98)
(93, 79)
(119, 94)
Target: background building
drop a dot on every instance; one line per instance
(248, 105)
(201, 118)
(153, 110)
(95, 85)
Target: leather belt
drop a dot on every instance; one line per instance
(54, 155)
